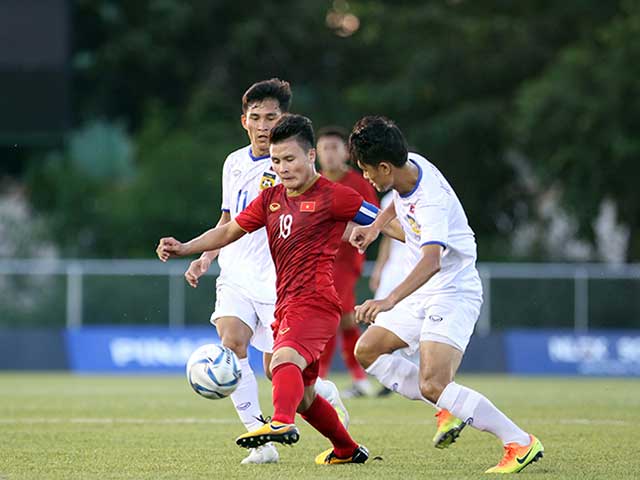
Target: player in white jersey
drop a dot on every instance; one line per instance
(436, 306)
(245, 288)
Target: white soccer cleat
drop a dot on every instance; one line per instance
(328, 390)
(266, 453)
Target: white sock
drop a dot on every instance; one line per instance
(467, 404)
(245, 397)
(398, 374)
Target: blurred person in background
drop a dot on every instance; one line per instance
(333, 157)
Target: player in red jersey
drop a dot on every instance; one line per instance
(333, 157)
(305, 217)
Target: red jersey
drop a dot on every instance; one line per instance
(348, 260)
(304, 234)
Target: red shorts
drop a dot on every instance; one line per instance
(345, 282)
(306, 325)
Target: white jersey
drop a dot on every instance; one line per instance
(397, 249)
(432, 214)
(394, 270)
(246, 264)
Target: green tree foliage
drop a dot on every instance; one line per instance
(579, 120)
(466, 81)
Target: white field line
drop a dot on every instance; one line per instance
(232, 421)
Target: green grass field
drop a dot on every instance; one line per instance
(58, 426)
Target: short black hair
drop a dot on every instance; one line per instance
(294, 126)
(376, 139)
(333, 131)
(272, 88)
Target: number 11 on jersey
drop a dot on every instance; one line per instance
(241, 201)
(285, 225)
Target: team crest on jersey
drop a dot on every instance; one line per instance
(415, 228)
(274, 207)
(268, 180)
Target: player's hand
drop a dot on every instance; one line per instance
(362, 237)
(369, 310)
(169, 247)
(197, 268)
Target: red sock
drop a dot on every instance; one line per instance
(288, 390)
(323, 417)
(326, 357)
(349, 339)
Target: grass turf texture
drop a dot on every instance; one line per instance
(58, 426)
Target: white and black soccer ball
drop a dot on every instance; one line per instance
(213, 371)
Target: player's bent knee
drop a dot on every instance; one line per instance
(431, 388)
(365, 352)
(238, 346)
(287, 355)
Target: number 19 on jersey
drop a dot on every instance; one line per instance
(285, 225)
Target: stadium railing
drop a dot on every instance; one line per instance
(35, 292)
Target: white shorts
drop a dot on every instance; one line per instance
(443, 318)
(257, 315)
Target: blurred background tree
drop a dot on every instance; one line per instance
(511, 100)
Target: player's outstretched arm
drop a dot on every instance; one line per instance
(213, 239)
(199, 267)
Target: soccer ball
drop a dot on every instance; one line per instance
(213, 371)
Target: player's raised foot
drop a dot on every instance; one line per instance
(266, 453)
(516, 456)
(328, 457)
(279, 432)
(448, 429)
(328, 390)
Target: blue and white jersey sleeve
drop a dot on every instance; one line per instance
(433, 217)
(431, 214)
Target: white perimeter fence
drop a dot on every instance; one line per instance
(578, 283)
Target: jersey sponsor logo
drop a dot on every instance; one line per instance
(268, 180)
(435, 318)
(274, 207)
(284, 330)
(236, 173)
(412, 208)
(307, 206)
(415, 228)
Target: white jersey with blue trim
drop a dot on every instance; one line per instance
(246, 264)
(394, 270)
(432, 214)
